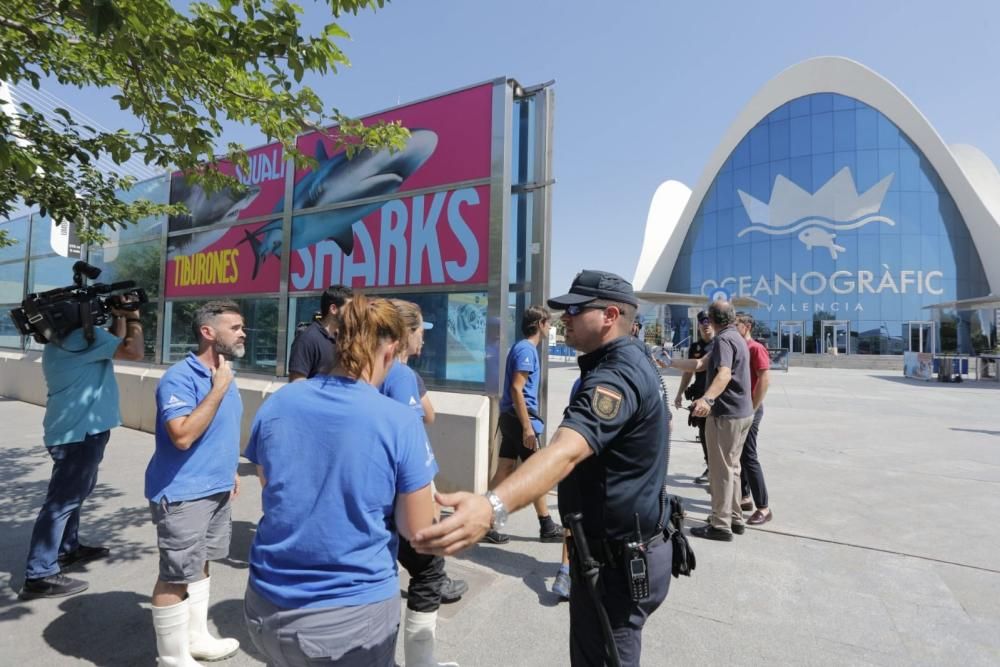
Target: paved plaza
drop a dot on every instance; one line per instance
(884, 550)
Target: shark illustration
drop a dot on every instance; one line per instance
(338, 179)
(836, 206)
(206, 209)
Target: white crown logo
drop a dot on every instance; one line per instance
(835, 206)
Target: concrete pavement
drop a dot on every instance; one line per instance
(883, 549)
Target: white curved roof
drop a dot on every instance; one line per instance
(970, 176)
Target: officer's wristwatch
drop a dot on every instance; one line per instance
(499, 511)
(709, 401)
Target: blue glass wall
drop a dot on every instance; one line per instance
(827, 211)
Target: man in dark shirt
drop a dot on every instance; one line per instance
(609, 457)
(314, 346)
(694, 390)
(729, 410)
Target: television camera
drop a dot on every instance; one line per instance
(51, 316)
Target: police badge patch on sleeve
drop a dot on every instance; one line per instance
(606, 402)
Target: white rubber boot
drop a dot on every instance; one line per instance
(418, 639)
(171, 626)
(203, 645)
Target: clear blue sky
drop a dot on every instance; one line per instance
(646, 89)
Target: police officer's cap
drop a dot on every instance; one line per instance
(590, 285)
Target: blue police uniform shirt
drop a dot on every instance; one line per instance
(209, 465)
(335, 455)
(402, 385)
(523, 357)
(618, 408)
(82, 391)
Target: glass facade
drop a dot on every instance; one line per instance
(835, 221)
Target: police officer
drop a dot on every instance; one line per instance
(609, 457)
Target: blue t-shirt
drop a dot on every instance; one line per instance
(335, 455)
(402, 385)
(523, 357)
(209, 465)
(82, 391)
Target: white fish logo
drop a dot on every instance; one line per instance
(836, 206)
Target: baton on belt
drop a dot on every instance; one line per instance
(590, 570)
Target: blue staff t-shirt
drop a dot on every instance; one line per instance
(82, 391)
(523, 357)
(402, 385)
(209, 465)
(335, 455)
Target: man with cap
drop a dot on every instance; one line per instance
(694, 390)
(609, 457)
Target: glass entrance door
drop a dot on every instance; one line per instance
(791, 336)
(836, 337)
(920, 337)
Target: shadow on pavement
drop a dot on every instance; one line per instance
(227, 616)
(105, 629)
(239, 545)
(964, 384)
(975, 430)
(530, 570)
(22, 499)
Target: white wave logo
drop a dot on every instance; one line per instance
(834, 207)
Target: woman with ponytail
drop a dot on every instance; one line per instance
(343, 468)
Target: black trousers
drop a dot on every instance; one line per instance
(426, 577)
(586, 638)
(752, 476)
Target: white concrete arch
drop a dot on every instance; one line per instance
(963, 172)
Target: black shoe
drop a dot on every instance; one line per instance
(452, 590)
(712, 533)
(553, 532)
(702, 478)
(52, 586)
(82, 554)
(739, 528)
(493, 537)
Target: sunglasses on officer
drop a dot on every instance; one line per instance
(575, 309)
(704, 321)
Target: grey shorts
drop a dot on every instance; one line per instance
(190, 533)
(360, 636)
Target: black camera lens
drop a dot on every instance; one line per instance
(88, 270)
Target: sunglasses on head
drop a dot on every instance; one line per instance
(575, 310)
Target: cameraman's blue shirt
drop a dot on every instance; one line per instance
(82, 391)
(209, 465)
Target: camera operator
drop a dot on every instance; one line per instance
(81, 410)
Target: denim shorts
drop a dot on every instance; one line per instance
(190, 533)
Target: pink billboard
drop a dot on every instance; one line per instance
(386, 218)
(220, 260)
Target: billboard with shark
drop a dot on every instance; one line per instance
(218, 260)
(354, 221)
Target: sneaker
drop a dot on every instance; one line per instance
(52, 586)
(702, 478)
(452, 590)
(561, 585)
(82, 554)
(552, 532)
(493, 537)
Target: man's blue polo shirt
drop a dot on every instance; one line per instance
(82, 391)
(209, 465)
(523, 358)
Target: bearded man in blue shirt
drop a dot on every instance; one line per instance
(190, 482)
